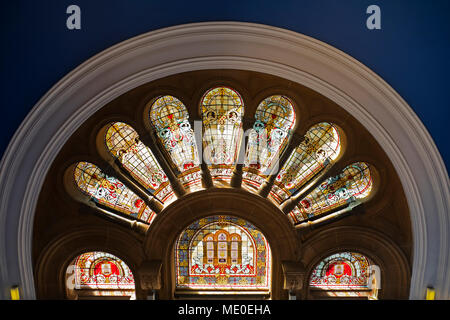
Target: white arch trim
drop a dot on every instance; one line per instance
(226, 45)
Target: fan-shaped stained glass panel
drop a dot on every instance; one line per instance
(222, 111)
(275, 117)
(110, 192)
(319, 148)
(124, 144)
(354, 182)
(170, 119)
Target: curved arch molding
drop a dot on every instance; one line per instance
(226, 45)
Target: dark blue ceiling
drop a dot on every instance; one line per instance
(411, 51)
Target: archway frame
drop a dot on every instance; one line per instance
(378, 247)
(226, 45)
(51, 267)
(160, 240)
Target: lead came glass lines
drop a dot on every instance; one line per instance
(170, 119)
(342, 271)
(222, 253)
(110, 192)
(274, 119)
(354, 182)
(100, 270)
(319, 148)
(124, 144)
(222, 111)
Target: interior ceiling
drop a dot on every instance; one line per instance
(386, 212)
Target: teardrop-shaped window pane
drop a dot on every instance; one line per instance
(354, 182)
(274, 119)
(318, 150)
(124, 144)
(222, 111)
(110, 192)
(170, 119)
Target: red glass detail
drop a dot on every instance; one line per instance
(338, 269)
(98, 269)
(138, 203)
(305, 204)
(188, 165)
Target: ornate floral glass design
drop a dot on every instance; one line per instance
(170, 119)
(222, 253)
(354, 182)
(222, 111)
(346, 271)
(275, 117)
(123, 143)
(319, 148)
(103, 272)
(110, 192)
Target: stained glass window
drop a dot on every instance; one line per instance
(222, 253)
(110, 192)
(319, 148)
(275, 117)
(222, 111)
(354, 182)
(124, 144)
(170, 119)
(346, 271)
(100, 273)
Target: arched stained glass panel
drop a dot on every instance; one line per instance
(170, 119)
(100, 274)
(355, 182)
(110, 192)
(275, 117)
(319, 148)
(222, 253)
(100, 270)
(346, 271)
(124, 144)
(222, 111)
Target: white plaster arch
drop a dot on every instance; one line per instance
(226, 45)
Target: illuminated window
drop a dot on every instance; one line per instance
(208, 244)
(110, 192)
(222, 253)
(236, 249)
(275, 118)
(170, 119)
(222, 111)
(346, 274)
(355, 182)
(99, 274)
(124, 144)
(318, 150)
